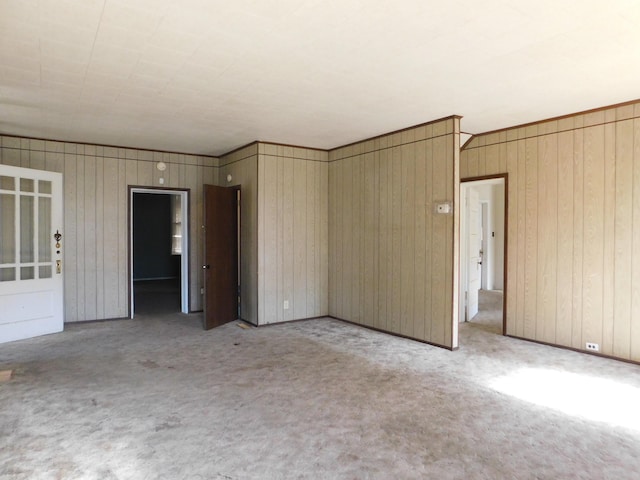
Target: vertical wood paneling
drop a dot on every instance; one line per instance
(547, 237)
(482, 156)
(263, 258)
(522, 236)
(111, 260)
(531, 237)
(578, 237)
(268, 188)
(396, 239)
(606, 345)
(635, 255)
(623, 237)
(452, 185)
(281, 247)
(347, 239)
(322, 241)
(332, 255)
(385, 261)
(430, 198)
(293, 233)
(95, 211)
(81, 269)
(419, 279)
(593, 262)
(393, 256)
(299, 229)
(70, 257)
(122, 244)
(511, 165)
(574, 226)
(356, 280)
(492, 160)
(340, 229)
(440, 237)
(100, 243)
(369, 271)
(310, 200)
(407, 166)
(564, 283)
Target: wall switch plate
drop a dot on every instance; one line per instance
(286, 304)
(443, 208)
(593, 347)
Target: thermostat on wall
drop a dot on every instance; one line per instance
(443, 208)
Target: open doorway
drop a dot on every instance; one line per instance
(483, 210)
(159, 260)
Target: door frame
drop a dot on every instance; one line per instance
(185, 271)
(462, 244)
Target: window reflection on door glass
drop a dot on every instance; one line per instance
(26, 229)
(44, 271)
(44, 229)
(44, 186)
(7, 183)
(7, 228)
(26, 185)
(27, 273)
(7, 274)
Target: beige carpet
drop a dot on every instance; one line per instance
(162, 399)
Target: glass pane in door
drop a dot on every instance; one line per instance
(44, 271)
(27, 253)
(26, 185)
(7, 228)
(44, 186)
(44, 229)
(7, 274)
(27, 273)
(7, 183)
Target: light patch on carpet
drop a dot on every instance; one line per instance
(5, 375)
(579, 395)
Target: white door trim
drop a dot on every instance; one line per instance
(184, 260)
(465, 184)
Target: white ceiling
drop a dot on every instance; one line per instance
(206, 76)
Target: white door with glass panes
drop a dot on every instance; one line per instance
(31, 253)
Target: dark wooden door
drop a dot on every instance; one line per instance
(221, 255)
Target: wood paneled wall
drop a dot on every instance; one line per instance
(573, 227)
(95, 214)
(293, 233)
(242, 165)
(393, 262)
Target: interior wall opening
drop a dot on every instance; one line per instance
(159, 252)
(483, 231)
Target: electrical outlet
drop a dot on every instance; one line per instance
(286, 304)
(202, 291)
(593, 347)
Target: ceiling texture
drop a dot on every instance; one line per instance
(207, 76)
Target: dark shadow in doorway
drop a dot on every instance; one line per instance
(154, 297)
